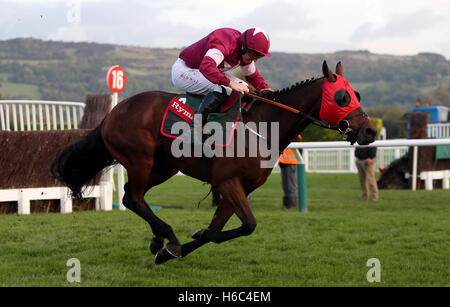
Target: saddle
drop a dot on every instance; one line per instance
(183, 107)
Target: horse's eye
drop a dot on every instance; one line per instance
(342, 98)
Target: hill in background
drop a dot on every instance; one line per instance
(36, 69)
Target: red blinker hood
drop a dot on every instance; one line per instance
(330, 111)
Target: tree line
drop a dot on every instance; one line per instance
(69, 71)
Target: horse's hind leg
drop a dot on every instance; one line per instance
(134, 200)
(158, 241)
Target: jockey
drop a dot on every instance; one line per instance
(200, 67)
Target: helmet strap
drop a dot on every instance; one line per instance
(245, 49)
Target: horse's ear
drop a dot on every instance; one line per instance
(339, 69)
(327, 73)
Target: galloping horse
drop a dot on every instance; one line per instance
(130, 135)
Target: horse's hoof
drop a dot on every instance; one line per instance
(156, 245)
(162, 256)
(174, 250)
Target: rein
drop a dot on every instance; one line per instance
(315, 121)
(277, 104)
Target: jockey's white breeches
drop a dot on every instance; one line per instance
(193, 81)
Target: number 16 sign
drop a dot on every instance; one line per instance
(115, 78)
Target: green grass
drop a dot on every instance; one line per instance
(10, 89)
(327, 246)
(4, 77)
(27, 91)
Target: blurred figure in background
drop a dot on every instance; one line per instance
(365, 163)
(288, 168)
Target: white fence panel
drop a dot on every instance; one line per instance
(429, 176)
(49, 115)
(438, 130)
(342, 160)
(37, 115)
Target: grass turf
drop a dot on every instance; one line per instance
(328, 246)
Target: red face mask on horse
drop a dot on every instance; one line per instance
(338, 100)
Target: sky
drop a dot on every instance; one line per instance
(398, 27)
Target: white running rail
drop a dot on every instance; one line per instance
(385, 143)
(342, 160)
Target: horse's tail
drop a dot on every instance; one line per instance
(78, 164)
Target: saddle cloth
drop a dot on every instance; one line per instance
(183, 107)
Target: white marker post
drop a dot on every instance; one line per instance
(116, 80)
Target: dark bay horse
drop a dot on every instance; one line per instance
(130, 135)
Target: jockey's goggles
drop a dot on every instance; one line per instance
(254, 55)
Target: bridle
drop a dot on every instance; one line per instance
(352, 139)
(343, 126)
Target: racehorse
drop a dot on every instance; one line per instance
(130, 135)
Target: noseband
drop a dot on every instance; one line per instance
(343, 126)
(347, 130)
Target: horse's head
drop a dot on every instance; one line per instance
(341, 108)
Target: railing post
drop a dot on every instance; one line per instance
(118, 168)
(306, 159)
(120, 185)
(352, 161)
(23, 205)
(66, 201)
(301, 184)
(414, 168)
(446, 180)
(2, 119)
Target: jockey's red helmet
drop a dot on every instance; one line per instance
(256, 39)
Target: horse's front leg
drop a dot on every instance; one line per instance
(236, 200)
(223, 213)
(233, 192)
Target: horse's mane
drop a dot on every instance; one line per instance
(291, 88)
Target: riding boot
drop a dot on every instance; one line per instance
(209, 104)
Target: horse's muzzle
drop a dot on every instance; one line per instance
(366, 136)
